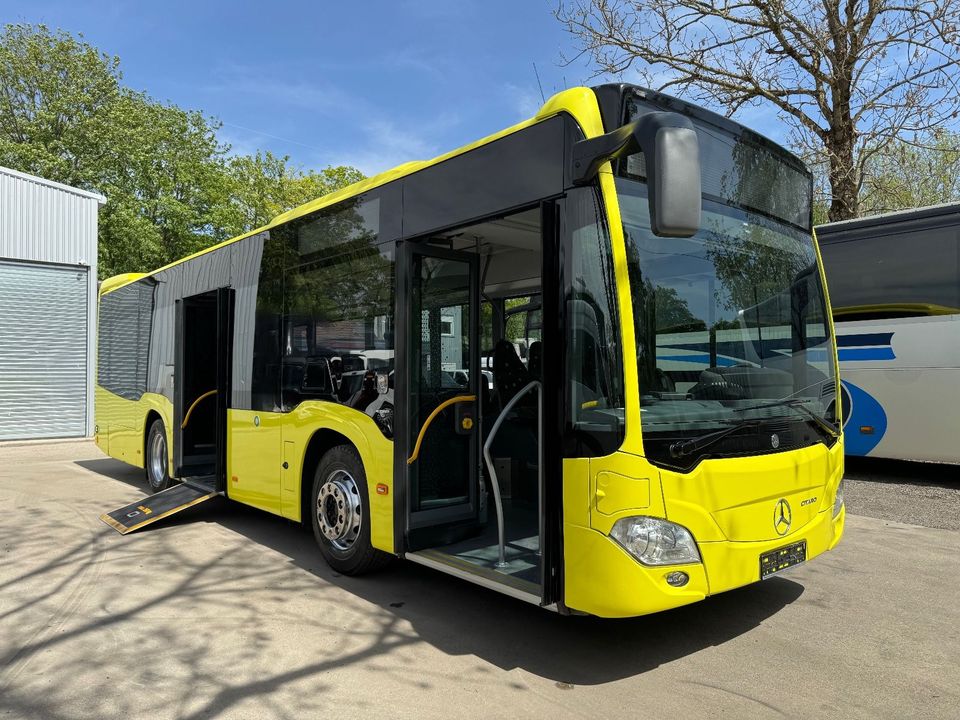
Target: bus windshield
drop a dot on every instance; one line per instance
(730, 330)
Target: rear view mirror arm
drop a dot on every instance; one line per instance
(671, 155)
(589, 155)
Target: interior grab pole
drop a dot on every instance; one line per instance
(494, 482)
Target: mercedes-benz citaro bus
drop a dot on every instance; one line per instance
(605, 379)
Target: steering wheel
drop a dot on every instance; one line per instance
(718, 390)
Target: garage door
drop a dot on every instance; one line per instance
(43, 351)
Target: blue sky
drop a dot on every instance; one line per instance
(364, 83)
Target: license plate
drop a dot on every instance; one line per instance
(782, 558)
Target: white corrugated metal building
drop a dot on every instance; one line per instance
(48, 304)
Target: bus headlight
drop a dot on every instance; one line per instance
(838, 503)
(653, 541)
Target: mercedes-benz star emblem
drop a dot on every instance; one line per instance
(774, 441)
(782, 517)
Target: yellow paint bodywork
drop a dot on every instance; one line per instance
(726, 504)
(120, 424)
(578, 102)
(258, 443)
(254, 458)
(256, 453)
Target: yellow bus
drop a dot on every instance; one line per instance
(586, 361)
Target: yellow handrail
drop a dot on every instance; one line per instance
(186, 419)
(436, 411)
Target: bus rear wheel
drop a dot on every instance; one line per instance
(340, 513)
(155, 462)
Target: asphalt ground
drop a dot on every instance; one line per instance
(227, 612)
(925, 494)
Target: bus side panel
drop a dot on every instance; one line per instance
(902, 382)
(376, 453)
(253, 458)
(121, 424)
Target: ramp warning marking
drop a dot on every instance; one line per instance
(156, 507)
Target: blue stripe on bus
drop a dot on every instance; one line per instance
(865, 353)
(700, 359)
(864, 339)
(864, 411)
(813, 355)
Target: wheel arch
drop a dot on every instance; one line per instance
(320, 442)
(152, 414)
(314, 428)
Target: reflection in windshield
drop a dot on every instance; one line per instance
(725, 322)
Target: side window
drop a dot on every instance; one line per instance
(523, 329)
(337, 339)
(594, 388)
(915, 268)
(265, 382)
(126, 320)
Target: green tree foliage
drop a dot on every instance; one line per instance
(911, 174)
(263, 185)
(906, 173)
(164, 179)
(57, 96)
(172, 187)
(673, 312)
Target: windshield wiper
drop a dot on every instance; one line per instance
(682, 448)
(798, 404)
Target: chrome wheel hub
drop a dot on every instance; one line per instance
(158, 459)
(338, 509)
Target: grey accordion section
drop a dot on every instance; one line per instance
(138, 321)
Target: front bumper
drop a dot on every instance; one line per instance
(603, 579)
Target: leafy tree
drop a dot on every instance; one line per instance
(263, 185)
(673, 312)
(849, 77)
(164, 181)
(171, 186)
(56, 97)
(909, 174)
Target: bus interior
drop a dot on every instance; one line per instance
(503, 261)
(201, 385)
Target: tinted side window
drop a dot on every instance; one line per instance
(902, 269)
(265, 381)
(338, 335)
(594, 392)
(126, 319)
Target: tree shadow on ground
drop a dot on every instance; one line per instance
(459, 618)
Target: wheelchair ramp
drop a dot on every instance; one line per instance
(156, 507)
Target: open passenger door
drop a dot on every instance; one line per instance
(439, 407)
(204, 347)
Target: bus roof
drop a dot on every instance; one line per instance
(898, 216)
(581, 102)
(589, 106)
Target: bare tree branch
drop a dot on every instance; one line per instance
(849, 77)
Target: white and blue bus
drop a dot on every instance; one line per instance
(894, 284)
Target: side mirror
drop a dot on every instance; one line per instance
(671, 153)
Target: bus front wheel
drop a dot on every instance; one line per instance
(155, 459)
(340, 513)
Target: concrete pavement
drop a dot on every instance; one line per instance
(227, 612)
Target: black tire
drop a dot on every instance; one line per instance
(343, 532)
(156, 468)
